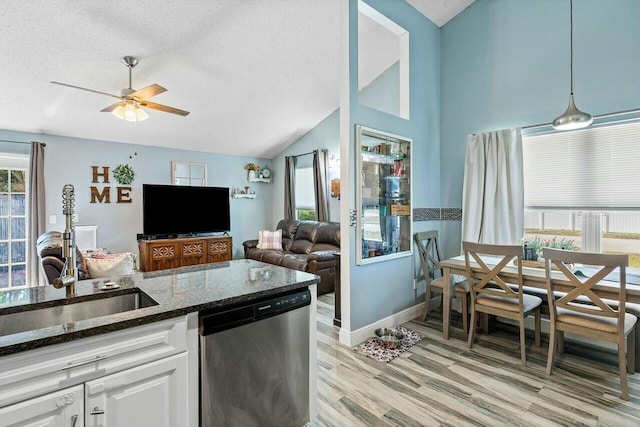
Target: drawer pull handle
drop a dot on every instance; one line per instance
(74, 420)
(97, 411)
(85, 362)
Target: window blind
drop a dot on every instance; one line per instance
(590, 168)
(305, 194)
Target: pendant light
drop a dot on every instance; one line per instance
(572, 118)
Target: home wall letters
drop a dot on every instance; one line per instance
(103, 195)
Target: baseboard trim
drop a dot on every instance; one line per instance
(353, 338)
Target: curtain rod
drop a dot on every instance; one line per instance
(601, 116)
(310, 152)
(19, 142)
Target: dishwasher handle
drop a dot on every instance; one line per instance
(216, 322)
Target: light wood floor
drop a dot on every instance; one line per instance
(443, 383)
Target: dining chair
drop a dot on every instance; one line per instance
(580, 311)
(429, 251)
(491, 295)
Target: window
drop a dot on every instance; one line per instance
(186, 173)
(305, 195)
(13, 221)
(583, 186)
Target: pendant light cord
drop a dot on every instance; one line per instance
(571, 38)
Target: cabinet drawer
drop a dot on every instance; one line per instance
(60, 408)
(36, 372)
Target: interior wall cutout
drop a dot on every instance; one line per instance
(383, 57)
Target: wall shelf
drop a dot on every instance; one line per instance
(267, 180)
(243, 196)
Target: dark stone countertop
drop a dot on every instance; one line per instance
(177, 291)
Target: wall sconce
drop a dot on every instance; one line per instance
(334, 162)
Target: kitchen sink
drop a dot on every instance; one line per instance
(67, 311)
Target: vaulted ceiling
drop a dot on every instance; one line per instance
(255, 74)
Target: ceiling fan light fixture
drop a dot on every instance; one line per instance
(130, 113)
(572, 118)
(119, 111)
(141, 114)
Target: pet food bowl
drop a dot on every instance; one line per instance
(389, 338)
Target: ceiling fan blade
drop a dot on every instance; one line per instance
(84, 88)
(148, 92)
(164, 108)
(111, 107)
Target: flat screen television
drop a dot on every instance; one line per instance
(174, 210)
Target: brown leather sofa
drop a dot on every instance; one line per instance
(306, 246)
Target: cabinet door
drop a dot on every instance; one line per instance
(383, 193)
(192, 252)
(219, 249)
(151, 395)
(162, 255)
(62, 408)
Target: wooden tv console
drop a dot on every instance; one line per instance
(161, 254)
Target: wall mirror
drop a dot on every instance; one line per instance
(383, 196)
(383, 62)
(189, 173)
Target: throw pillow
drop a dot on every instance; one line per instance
(270, 239)
(110, 265)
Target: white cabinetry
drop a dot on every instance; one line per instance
(141, 376)
(63, 408)
(151, 395)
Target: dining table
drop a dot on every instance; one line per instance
(454, 269)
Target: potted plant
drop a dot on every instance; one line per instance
(252, 168)
(531, 247)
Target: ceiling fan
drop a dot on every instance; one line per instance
(130, 100)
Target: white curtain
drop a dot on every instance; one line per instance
(493, 192)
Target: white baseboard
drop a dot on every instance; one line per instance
(353, 338)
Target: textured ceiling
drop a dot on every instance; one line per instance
(255, 74)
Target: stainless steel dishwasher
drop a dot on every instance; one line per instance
(254, 363)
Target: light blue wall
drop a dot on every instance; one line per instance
(385, 288)
(69, 161)
(324, 135)
(384, 92)
(505, 63)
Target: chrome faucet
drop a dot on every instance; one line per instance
(67, 277)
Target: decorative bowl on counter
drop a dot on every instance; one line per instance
(389, 338)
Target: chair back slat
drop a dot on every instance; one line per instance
(429, 252)
(489, 283)
(582, 291)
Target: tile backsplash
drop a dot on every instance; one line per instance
(437, 214)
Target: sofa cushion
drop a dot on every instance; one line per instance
(327, 238)
(295, 262)
(289, 228)
(305, 237)
(270, 239)
(273, 257)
